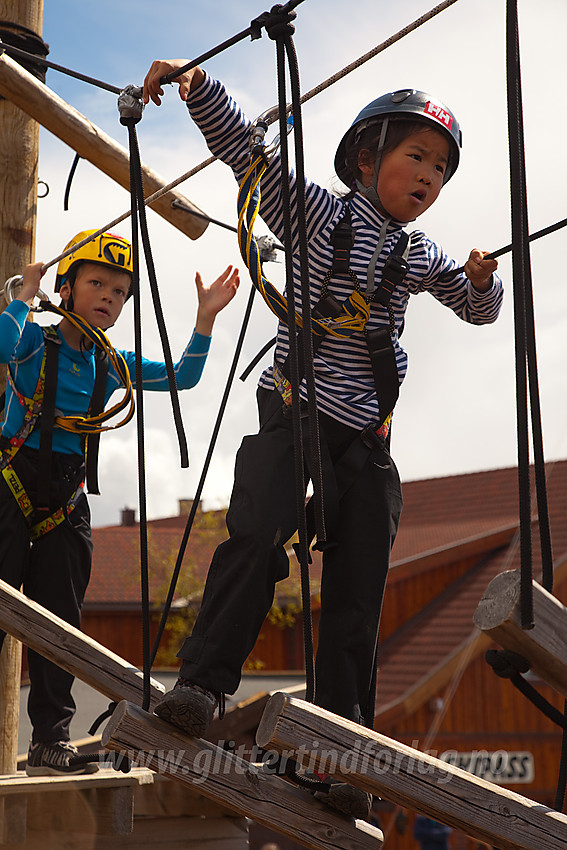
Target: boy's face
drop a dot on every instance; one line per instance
(411, 176)
(99, 294)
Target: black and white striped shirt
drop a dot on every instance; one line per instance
(343, 374)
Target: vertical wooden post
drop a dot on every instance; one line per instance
(19, 143)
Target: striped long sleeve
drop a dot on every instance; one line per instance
(343, 374)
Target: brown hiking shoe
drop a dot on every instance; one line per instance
(189, 707)
(347, 799)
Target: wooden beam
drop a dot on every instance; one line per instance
(111, 801)
(409, 778)
(70, 649)
(498, 616)
(19, 145)
(20, 784)
(246, 788)
(89, 141)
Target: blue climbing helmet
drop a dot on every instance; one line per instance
(405, 103)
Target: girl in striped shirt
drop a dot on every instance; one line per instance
(394, 159)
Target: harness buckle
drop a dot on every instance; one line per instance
(395, 270)
(370, 437)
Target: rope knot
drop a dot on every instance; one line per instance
(279, 22)
(130, 105)
(506, 664)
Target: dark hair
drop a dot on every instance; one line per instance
(369, 139)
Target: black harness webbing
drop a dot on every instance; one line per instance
(47, 419)
(96, 406)
(378, 341)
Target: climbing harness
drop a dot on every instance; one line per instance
(42, 407)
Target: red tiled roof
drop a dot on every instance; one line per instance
(438, 512)
(435, 636)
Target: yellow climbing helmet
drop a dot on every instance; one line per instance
(106, 248)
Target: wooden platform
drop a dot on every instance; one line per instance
(244, 787)
(409, 778)
(102, 803)
(113, 811)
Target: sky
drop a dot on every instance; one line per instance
(456, 412)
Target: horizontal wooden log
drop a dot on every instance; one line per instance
(90, 142)
(21, 784)
(409, 778)
(498, 615)
(246, 788)
(72, 650)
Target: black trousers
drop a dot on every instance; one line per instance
(53, 571)
(261, 518)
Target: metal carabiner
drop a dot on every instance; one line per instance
(12, 284)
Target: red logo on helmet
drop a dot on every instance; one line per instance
(439, 114)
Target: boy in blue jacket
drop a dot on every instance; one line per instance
(45, 535)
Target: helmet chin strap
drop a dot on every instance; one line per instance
(370, 192)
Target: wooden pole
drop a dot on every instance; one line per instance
(19, 144)
(72, 650)
(250, 789)
(92, 143)
(408, 777)
(499, 617)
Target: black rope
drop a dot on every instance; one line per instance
(18, 38)
(144, 570)
(139, 188)
(525, 347)
(256, 359)
(562, 778)
(519, 272)
(254, 31)
(280, 29)
(32, 59)
(69, 181)
(511, 665)
(299, 470)
(202, 479)
(307, 338)
(545, 231)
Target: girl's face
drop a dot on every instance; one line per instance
(411, 176)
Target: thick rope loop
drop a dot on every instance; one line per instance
(506, 663)
(278, 23)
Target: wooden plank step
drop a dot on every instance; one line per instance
(409, 778)
(20, 783)
(72, 650)
(107, 797)
(240, 785)
(498, 615)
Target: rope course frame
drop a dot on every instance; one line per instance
(518, 248)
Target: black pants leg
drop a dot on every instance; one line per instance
(245, 568)
(54, 572)
(352, 588)
(261, 518)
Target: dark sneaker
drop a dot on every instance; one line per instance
(346, 799)
(53, 760)
(189, 707)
